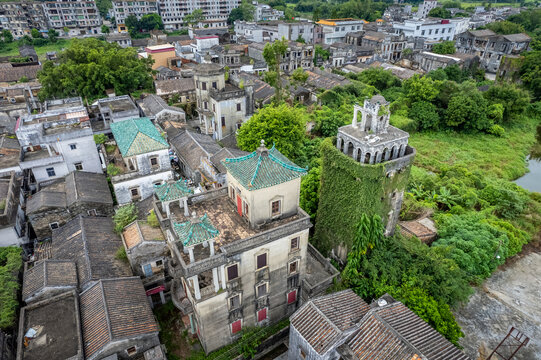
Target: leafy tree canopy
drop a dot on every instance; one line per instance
(7, 36)
(244, 12)
(440, 12)
(505, 27)
(446, 47)
(90, 66)
(195, 17)
(281, 125)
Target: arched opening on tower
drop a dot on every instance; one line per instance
(350, 149)
(394, 152)
(367, 158)
(385, 155)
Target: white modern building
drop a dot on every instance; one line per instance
(174, 11)
(335, 30)
(432, 29)
(295, 30)
(264, 12)
(425, 8)
(123, 9)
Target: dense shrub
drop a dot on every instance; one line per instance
(10, 266)
(425, 114)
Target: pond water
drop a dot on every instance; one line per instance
(532, 180)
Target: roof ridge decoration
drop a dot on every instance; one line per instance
(85, 248)
(195, 230)
(106, 310)
(172, 191)
(269, 169)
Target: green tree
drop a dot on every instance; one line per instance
(440, 12)
(7, 36)
(379, 78)
(35, 34)
(103, 7)
(194, 18)
(468, 111)
(309, 195)
(89, 67)
(320, 53)
(530, 73)
(420, 89)
(273, 53)
(300, 39)
(505, 27)
(66, 30)
(425, 115)
(132, 24)
(446, 47)
(124, 216)
(277, 124)
(151, 22)
(100, 138)
(513, 99)
(105, 29)
(298, 77)
(52, 34)
(247, 10)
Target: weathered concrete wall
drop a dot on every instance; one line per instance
(145, 184)
(228, 110)
(213, 314)
(144, 253)
(142, 344)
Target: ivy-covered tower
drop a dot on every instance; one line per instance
(365, 172)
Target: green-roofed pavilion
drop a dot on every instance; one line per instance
(263, 168)
(173, 191)
(197, 230)
(137, 136)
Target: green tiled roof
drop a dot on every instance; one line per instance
(172, 191)
(137, 136)
(263, 168)
(195, 231)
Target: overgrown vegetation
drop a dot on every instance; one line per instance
(10, 266)
(124, 216)
(89, 67)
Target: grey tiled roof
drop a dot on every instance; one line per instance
(152, 105)
(223, 154)
(114, 309)
(48, 273)
(91, 243)
(191, 146)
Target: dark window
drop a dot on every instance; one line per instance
(234, 302)
(214, 86)
(276, 208)
(239, 106)
(131, 351)
(292, 297)
(206, 105)
(232, 272)
(262, 315)
(295, 243)
(154, 161)
(293, 267)
(223, 121)
(261, 290)
(92, 212)
(159, 263)
(78, 166)
(204, 85)
(73, 146)
(236, 326)
(261, 261)
(134, 192)
(53, 225)
(50, 172)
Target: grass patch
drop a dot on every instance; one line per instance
(12, 49)
(502, 157)
(10, 265)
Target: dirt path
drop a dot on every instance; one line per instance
(511, 297)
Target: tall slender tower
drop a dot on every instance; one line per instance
(365, 172)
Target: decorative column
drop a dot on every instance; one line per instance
(346, 146)
(402, 150)
(378, 157)
(363, 120)
(339, 143)
(186, 212)
(222, 271)
(190, 251)
(355, 110)
(215, 279)
(360, 155)
(195, 282)
(355, 150)
(387, 155)
(167, 209)
(372, 158)
(211, 245)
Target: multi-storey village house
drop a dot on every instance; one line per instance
(142, 159)
(240, 254)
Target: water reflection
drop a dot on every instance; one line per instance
(532, 180)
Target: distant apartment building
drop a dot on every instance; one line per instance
(335, 30)
(264, 12)
(123, 9)
(57, 141)
(174, 11)
(20, 17)
(425, 8)
(80, 17)
(386, 45)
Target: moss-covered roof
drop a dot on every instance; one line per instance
(195, 231)
(172, 191)
(137, 136)
(263, 168)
